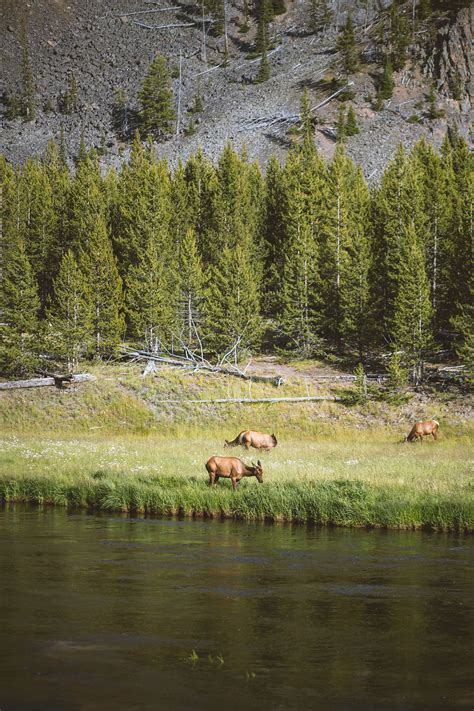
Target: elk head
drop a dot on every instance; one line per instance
(258, 471)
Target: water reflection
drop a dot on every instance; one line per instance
(103, 612)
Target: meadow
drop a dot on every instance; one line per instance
(111, 445)
(357, 483)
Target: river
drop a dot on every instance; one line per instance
(108, 612)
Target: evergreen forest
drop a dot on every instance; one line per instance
(306, 259)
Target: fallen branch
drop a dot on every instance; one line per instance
(147, 12)
(282, 120)
(163, 27)
(195, 364)
(42, 382)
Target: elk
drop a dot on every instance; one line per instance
(232, 468)
(422, 429)
(249, 438)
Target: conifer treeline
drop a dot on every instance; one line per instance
(306, 257)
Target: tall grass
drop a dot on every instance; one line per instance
(359, 483)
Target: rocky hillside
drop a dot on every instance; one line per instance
(107, 46)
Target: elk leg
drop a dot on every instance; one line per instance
(216, 480)
(435, 436)
(211, 479)
(234, 483)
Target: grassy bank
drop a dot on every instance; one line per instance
(122, 401)
(366, 481)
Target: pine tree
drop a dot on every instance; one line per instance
(55, 165)
(320, 15)
(273, 236)
(245, 27)
(216, 9)
(82, 153)
(351, 127)
(299, 320)
(62, 148)
(98, 264)
(68, 101)
(396, 204)
(264, 69)
(361, 394)
(191, 283)
(86, 203)
(142, 209)
(73, 99)
(336, 236)
(399, 36)
(39, 225)
(341, 124)
(69, 315)
(346, 44)
(231, 307)
(121, 114)
(459, 163)
(181, 218)
(354, 291)
(464, 325)
(433, 111)
(156, 98)
(264, 16)
(304, 195)
(412, 309)
(151, 299)
(11, 222)
(438, 196)
(277, 7)
(386, 86)
(397, 377)
(202, 193)
(424, 9)
(19, 306)
(235, 207)
(27, 95)
(307, 128)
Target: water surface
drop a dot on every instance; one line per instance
(104, 612)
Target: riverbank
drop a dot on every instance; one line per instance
(364, 482)
(118, 444)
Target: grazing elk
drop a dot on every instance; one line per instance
(421, 429)
(232, 468)
(258, 440)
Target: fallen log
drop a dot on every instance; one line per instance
(43, 382)
(308, 398)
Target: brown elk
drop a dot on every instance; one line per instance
(258, 440)
(232, 468)
(422, 429)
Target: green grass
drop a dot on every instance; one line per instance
(112, 445)
(368, 481)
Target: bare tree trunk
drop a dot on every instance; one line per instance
(203, 48)
(178, 121)
(226, 40)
